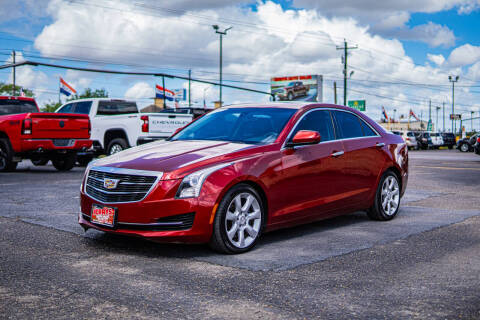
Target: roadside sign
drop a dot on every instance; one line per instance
(429, 126)
(360, 105)
(455, 116)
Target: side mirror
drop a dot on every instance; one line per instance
(305, 137)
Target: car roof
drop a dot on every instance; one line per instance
(99, 99)
(288, 105)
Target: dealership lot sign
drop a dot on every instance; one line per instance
(360, 105)
(297, 88)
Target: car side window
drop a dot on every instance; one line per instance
(320, 121)
(367, 131)
(350, 126)
(83, 107)
(68, 108)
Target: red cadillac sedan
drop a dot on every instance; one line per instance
(243, 170)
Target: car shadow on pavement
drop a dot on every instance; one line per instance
(139, 246)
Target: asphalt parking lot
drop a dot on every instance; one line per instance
(423, 264)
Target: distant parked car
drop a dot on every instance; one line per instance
(410, 139)
(437, 139)
(466, 144)
(424, 140)
(292, 90)
(448, 139)
(476, 147)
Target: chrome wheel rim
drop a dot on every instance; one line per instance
(243, 220)
(464, 147)
(390, 195)
(115, 148)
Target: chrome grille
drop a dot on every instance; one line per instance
(130, 187)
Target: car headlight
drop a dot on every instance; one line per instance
(192, 184)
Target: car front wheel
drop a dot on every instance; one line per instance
(387, 198)
(239, 220)
(464, 147)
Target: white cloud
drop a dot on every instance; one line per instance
(438, 59)
(464, 55)
(140, 90)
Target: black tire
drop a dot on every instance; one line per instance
(116, 145)
(65, 162)
(6, 155)
(464, 147)
(219, 240)
(39, 161)
(290, 96)
(377, 212)
(84, 160)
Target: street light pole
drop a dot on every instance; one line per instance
(471, 120)
(221, 33)
(436, 126)
(453, 80)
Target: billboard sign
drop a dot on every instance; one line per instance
(360, 105)
(297, 88)
(180, 94)
(454, 116)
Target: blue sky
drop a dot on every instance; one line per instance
(400, 45)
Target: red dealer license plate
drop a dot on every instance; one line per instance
(103, 215)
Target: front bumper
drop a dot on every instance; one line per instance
(144, 218)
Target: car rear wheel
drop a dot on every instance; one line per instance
(387, 198)
(6, 154)
(65, 163)
(290, 96)
(116, 145)
(239, 220)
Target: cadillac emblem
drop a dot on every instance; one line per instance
(110, 183)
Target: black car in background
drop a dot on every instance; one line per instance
(466, 144)
(424, 140)
(449, 140)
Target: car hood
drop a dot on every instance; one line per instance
(174, 158)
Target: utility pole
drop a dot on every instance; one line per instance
(471, 119)
(430, 110)
(345, 70)
(444, 116)
(221, 33)
(13, 59)
(453, 80)
(335, 91)
(436, 125)
(189, 87)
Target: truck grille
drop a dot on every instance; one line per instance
(129, 188)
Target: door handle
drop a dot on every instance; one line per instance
(380, 145)
(337, 154)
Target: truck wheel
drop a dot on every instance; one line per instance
(116, 145)
(6, 153)
(290, 96)
(39, 161)
(65, 163)
(84, 160)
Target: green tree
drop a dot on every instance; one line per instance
(7, 90)
(90, 93)
(51, 106)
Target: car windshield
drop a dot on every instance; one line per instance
(242, 125)
(291, 84)
(17, 106)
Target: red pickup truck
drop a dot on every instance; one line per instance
(27, 133)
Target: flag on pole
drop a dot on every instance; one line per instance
(66, 89)
(159, 93)
(385, 114)
(412, 114)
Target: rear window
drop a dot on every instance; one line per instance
(17, 106)
(433, 134)
(116, 107)
(410, 134)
